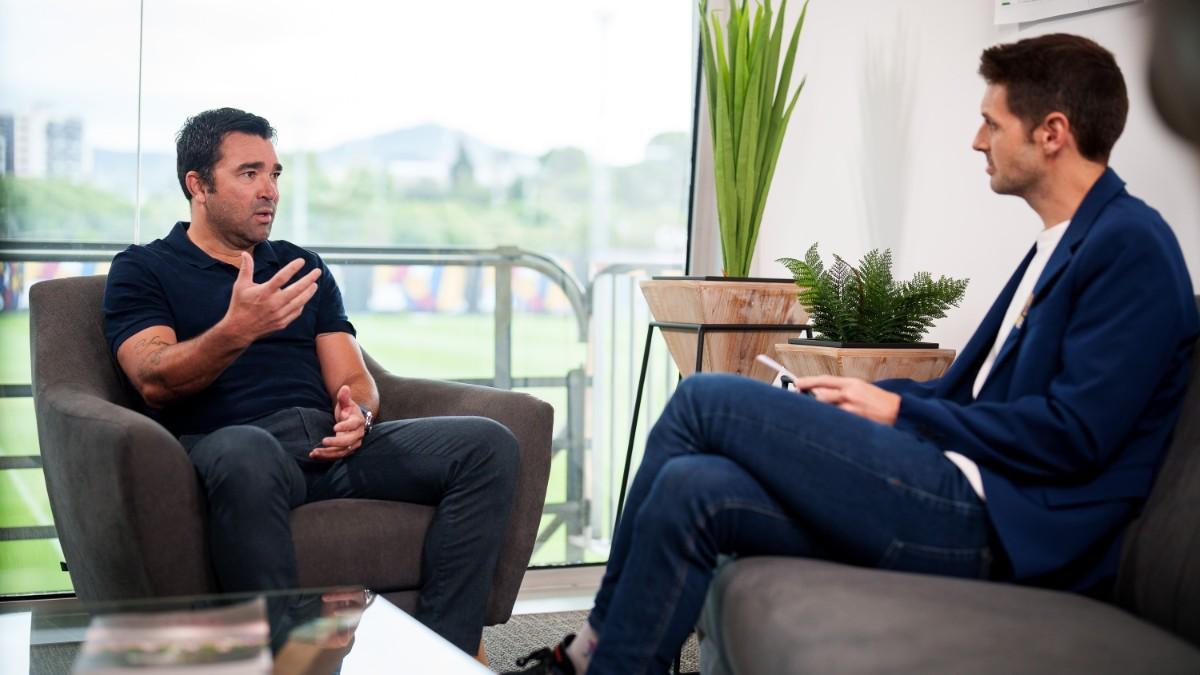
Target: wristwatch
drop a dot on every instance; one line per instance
(368, 419)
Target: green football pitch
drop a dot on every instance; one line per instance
(417, 345)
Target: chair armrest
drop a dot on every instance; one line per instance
(126, 501)
(529, 419)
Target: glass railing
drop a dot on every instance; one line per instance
(502, 317)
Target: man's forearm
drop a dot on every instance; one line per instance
(363, 391)
(169, 372)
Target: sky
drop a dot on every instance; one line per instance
(526, 75)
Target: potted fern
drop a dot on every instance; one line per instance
(870, 325)
(750, 101)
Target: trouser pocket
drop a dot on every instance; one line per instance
(970, 562)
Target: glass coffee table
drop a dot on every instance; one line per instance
(346, 630)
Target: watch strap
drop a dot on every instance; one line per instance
(368, 419)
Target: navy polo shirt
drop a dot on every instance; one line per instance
(171, 282)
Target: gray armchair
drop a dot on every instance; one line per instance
(129, 508)
(790, 615)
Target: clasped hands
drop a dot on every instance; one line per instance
(348, 430)
(853, 395)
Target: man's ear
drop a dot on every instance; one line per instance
(196, 186)
(1055, 133)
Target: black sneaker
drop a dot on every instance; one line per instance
(549, 661)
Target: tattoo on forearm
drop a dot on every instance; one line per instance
(152, 360)
(157, 342)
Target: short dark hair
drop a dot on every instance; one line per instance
(1063, 73)
(198, 143)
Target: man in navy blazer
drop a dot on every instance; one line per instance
(1071, 423)
(1024, 463)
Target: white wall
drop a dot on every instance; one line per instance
(879, 154)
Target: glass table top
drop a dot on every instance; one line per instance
(311, 632)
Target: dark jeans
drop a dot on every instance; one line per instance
(737, 467)
(254, 474)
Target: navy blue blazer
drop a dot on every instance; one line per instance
(1074, 419)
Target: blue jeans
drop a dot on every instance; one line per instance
(741, 468)
(254, 474)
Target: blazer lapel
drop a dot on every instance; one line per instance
(1109, 185)
(1010, 343)
(966, 365)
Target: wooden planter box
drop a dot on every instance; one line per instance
(716, 300)
(869, 363)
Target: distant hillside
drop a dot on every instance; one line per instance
(428, 151)
(434, 146)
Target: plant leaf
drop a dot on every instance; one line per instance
(749, 110)
(747, 158)
(866, 303)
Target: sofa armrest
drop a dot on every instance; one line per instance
(532, 423)
(126, 502)
(793, 615)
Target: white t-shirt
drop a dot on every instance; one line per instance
(1047, 241)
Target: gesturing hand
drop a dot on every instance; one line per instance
(854, 396)
(348, 430)
(256, 310)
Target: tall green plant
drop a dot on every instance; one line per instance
(749, 108)
(865, 304)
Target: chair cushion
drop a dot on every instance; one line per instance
(373, 543)
(790, 615)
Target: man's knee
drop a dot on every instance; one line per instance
(684, 493)
(706, 391)
(702, 385)
(696, 399)
(492, 445)
(243, 453)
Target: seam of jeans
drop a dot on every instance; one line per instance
(681, 571)
(746, 506)
(681, 574)
(890, 480)
(889, 555)
(966, 508)
(430, 591)
(677, 591)
(434, 585)
(939, 553)
(949, 553)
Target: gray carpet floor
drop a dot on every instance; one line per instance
(525, 633)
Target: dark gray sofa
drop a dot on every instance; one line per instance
(789, 615)
(128, 505)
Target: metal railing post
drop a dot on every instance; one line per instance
(503, 322)
(576, 451)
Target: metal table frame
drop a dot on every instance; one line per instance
(701, 330)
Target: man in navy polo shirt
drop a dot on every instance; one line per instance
(241, 347)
